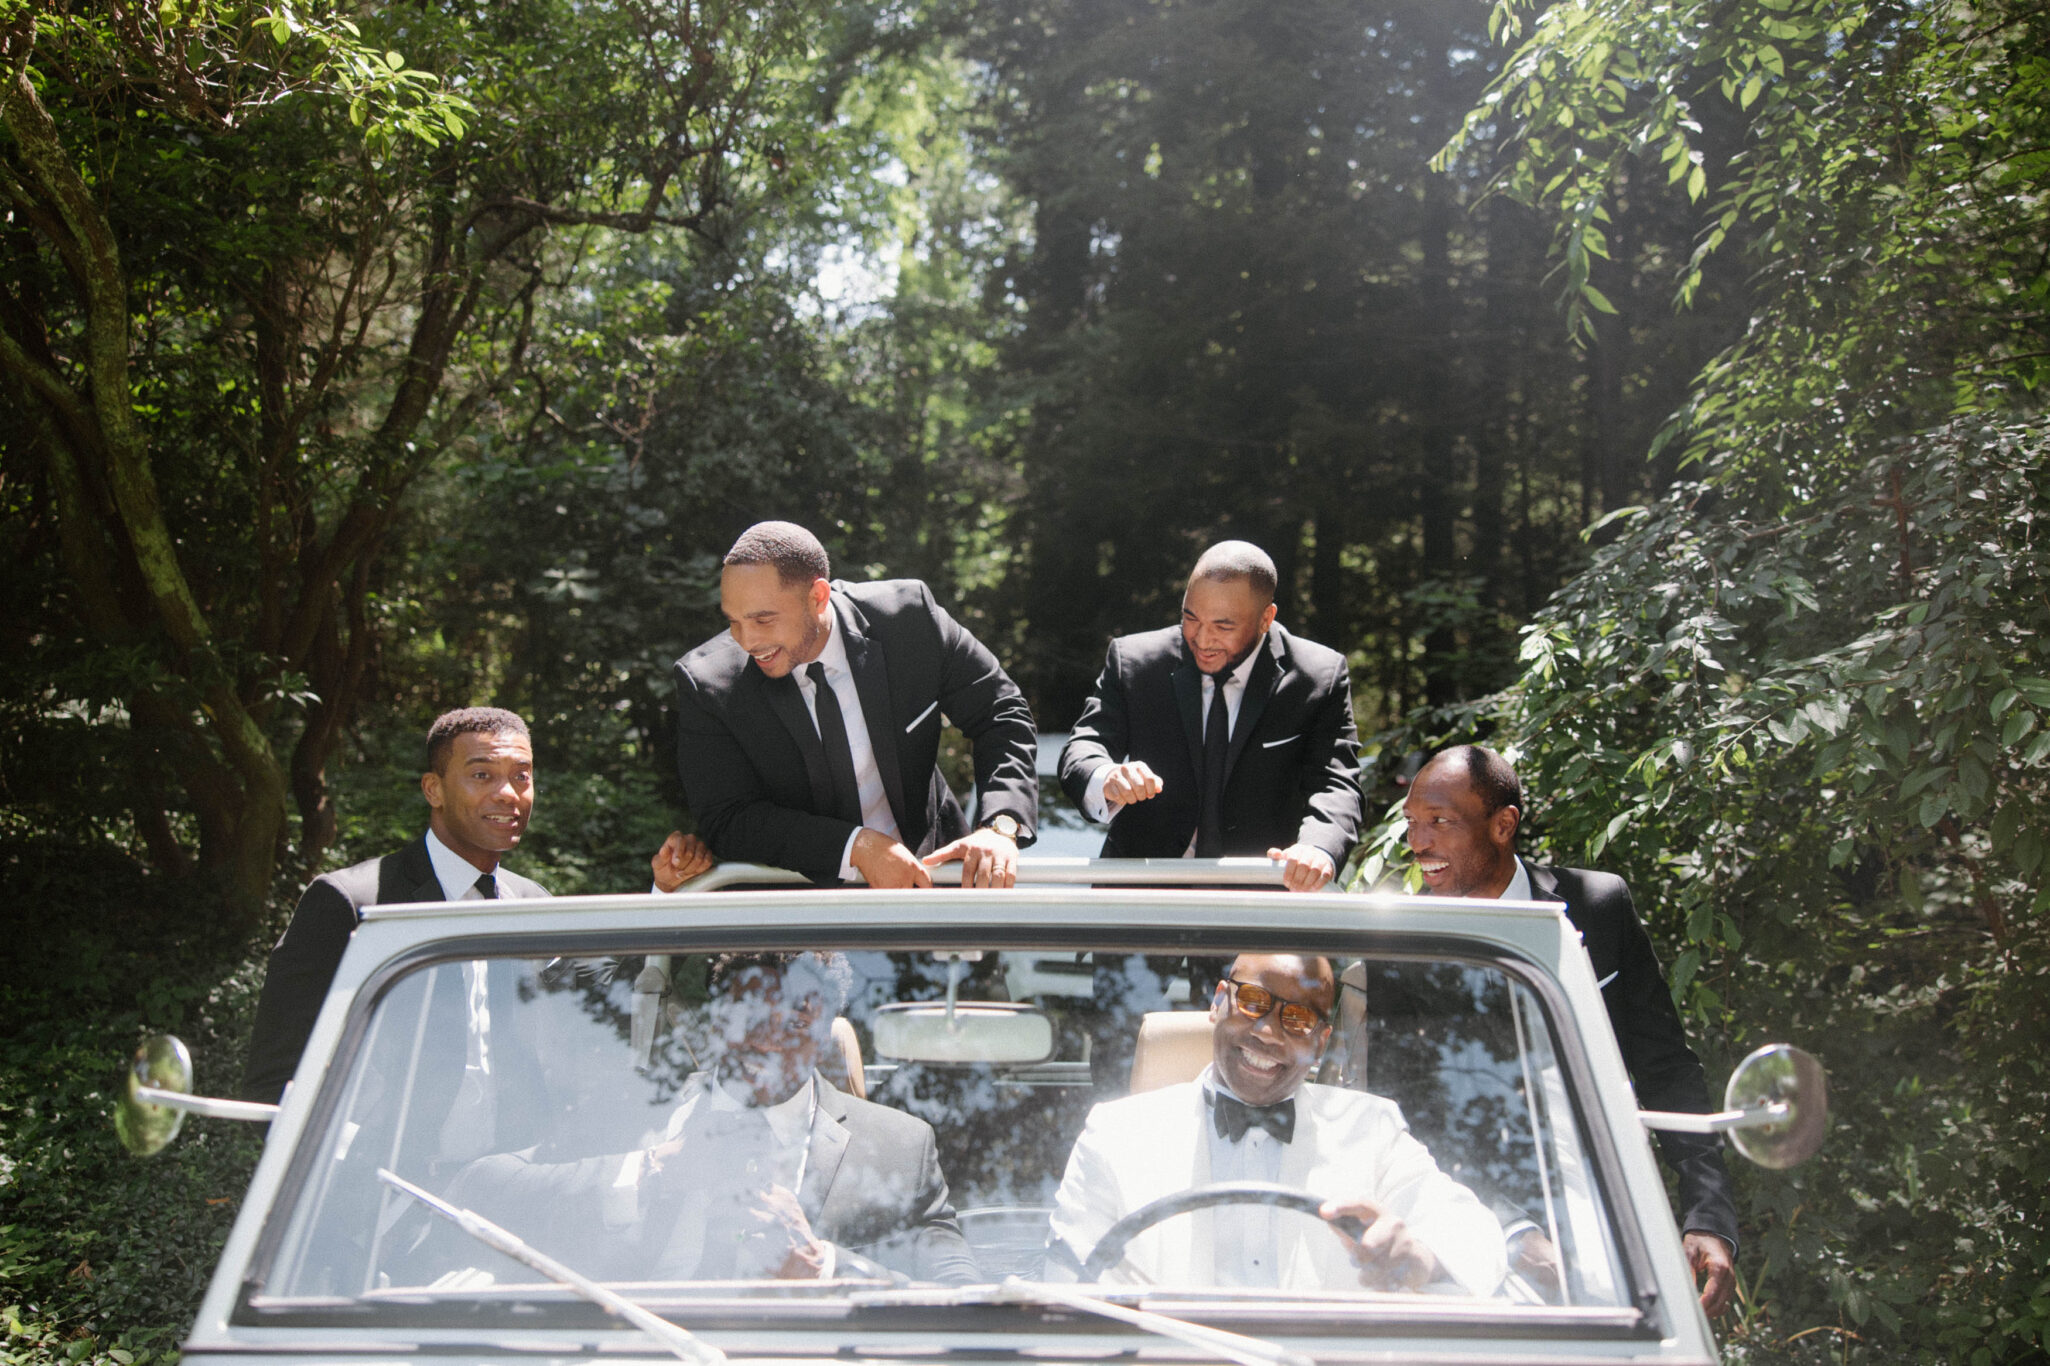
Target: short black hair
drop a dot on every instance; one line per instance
(1238, 560)
(723, 969)
(441, 736)
(796, 553)
(1489, 774)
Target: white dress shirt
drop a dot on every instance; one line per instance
(471, 1127)
(1100, 809)
(875, 802)
(1244, 1237)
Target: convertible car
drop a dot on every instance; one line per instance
(952, 1126)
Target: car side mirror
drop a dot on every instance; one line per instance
(158, 1095)
(1775, 1109)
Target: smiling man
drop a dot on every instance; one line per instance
(1225, 736)
(1462, 813)
(1252, 1116)
(808, 733)
(479, 787)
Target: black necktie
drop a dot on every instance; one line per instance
(1216, 742)
(487, 886)
(833, 736)
(1233, 1117)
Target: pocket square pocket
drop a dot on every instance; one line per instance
(917, 720)
(1284, 740)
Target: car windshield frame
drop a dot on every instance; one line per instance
(1058, 919)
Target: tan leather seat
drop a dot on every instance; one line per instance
(840, 1063)
(1173, 1045)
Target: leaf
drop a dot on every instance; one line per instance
(1597, 298)
(2018, 726)
(1697, 183)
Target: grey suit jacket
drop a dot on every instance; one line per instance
(303, 963)
(872, 1187)
(1292, 771)
(755, 774)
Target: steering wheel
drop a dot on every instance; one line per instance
(1110, 1249)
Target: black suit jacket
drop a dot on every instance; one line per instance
(303, 963)
(1663, 1068)
(1293, 768)
(755, 774)
(872, 1187)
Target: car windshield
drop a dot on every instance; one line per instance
(770, 1129)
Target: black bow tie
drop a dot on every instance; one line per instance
(1233, 1117)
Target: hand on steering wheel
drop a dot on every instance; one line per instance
(1381, 1245)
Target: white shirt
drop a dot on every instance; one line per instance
(456, 874)
(471, 1126)
(875, 801)
(1519, 885)
(1100, 809)
(1244, 1238)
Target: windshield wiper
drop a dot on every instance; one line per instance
(677, 1339)
(1247, 1351)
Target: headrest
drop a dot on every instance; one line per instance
(1173, 1045)
(840, 1062)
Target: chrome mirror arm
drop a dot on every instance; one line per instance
(212, 1107)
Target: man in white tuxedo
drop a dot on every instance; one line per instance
(1251, 1116)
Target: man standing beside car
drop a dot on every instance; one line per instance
(1463, 811)
(479, 786)
(1227, 736)
(808, 732)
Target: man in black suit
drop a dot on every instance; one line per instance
(808, 734)
(1463, 810)
(764, 1170)
(1228, 736)
(479, 786)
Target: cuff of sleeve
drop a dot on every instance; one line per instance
(1094, 806)
(847, 856)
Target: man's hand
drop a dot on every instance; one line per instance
(681, 858)
(1388, 1256)
(1304, 867)
(883, 862)
(988, 858)
(1709, 1256)
(1537, 1258)
(1131, 782)
(783, 1227)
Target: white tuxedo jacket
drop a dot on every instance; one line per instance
(1348, 1144)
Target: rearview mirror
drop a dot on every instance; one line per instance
(967, 1032)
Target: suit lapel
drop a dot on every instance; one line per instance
(1267, 674)
(787, 703)
(407, 875)
(872, 683)
(829, 1140)
(1188, 696)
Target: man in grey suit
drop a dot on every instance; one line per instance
(479, 786)
(1227, 736)
(764, 1170)
(807, 734)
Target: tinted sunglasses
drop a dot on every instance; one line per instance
(1255, 1002)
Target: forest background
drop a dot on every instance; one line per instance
(1652, 390)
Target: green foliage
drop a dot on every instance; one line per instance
(1800, 702)
(103, 1257)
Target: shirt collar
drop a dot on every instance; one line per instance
(789, 1119)
(1519, 888)
(833, 654)
(456, 874)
